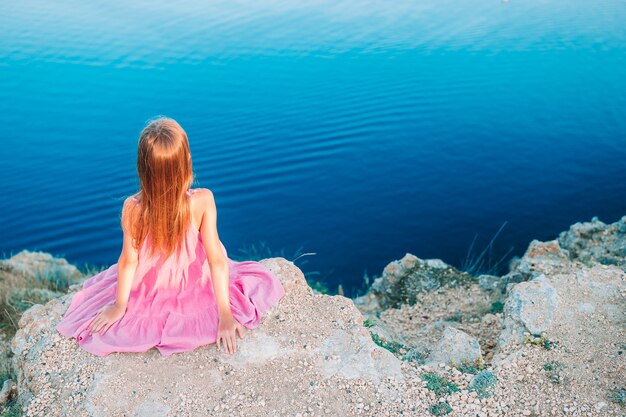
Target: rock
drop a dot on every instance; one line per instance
(577, 363)
(42, 266)
(27, 279)
(512, 278)
(436, 263)
(305, 341)
(492, 283)
(7, 391)
(600, 406)
(483, 382)
(311, 354)
(353, 354)
(442, 343)
(539, 258)
(514, 262)
(367, 303)
(385, 333)
(439, 296)
(404, 280)
(542, 258)
(24, 298)
(426, 337)
(531, 307)
(455, 346)
(596, 241)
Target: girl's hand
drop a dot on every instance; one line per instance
(105, 318)
(226, 333)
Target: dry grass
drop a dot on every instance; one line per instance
(21, 290)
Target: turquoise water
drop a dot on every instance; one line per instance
(355, 130)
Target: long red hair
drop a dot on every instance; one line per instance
(165, 174)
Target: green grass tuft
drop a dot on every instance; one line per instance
(469, 367)
(319, 286)
(618, 396)
(456, 316)
(541, 341)
(368, 323)
(414, 356)
(496, 307)
(12, 409)
(479, 264)
(440, 409)
(439, 385)
(257, 252)
(553, 371)
(392, 347)
(483, 384)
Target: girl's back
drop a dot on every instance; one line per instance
(172, 300)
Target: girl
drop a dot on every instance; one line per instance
(173, 287)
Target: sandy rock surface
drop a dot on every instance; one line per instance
(310, 354)
(596, 241)
(551, 334)
(559, 341)
(581, 362)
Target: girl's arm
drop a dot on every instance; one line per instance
(126, 266)
(228, 327)
(216, 258)
(127, 262)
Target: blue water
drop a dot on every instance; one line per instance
(357, 130)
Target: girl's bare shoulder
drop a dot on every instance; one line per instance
(201, 200)
(132, 202)
(204, 196)
(129, 212)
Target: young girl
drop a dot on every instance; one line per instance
(173, 287)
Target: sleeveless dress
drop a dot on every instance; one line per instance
(171, 305)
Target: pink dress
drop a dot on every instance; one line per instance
(171, 305)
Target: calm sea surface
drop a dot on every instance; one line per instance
(357, 130)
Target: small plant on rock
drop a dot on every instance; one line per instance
(541, 341)
(483, 384)
(392, 347)
(496, 307)
(414, 356)
(440, 409)
(553, 371)
(439, 385)
(319, 286)
(457, 316)
(257, 252)
(12, 409)
(618, 396)
(469, 367)
(368, 323)
(482, 263)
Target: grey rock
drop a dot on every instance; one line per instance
(442, 342)
(541, 258)
(323, 331)
(9, 389)
(44, 268)
(596, 241)
(354, 355)
(455, 346)
(514, 262)
(35, 263)
(530, 307)
(492, 282)
(404, 280)
(436, 263)
(24, 298)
